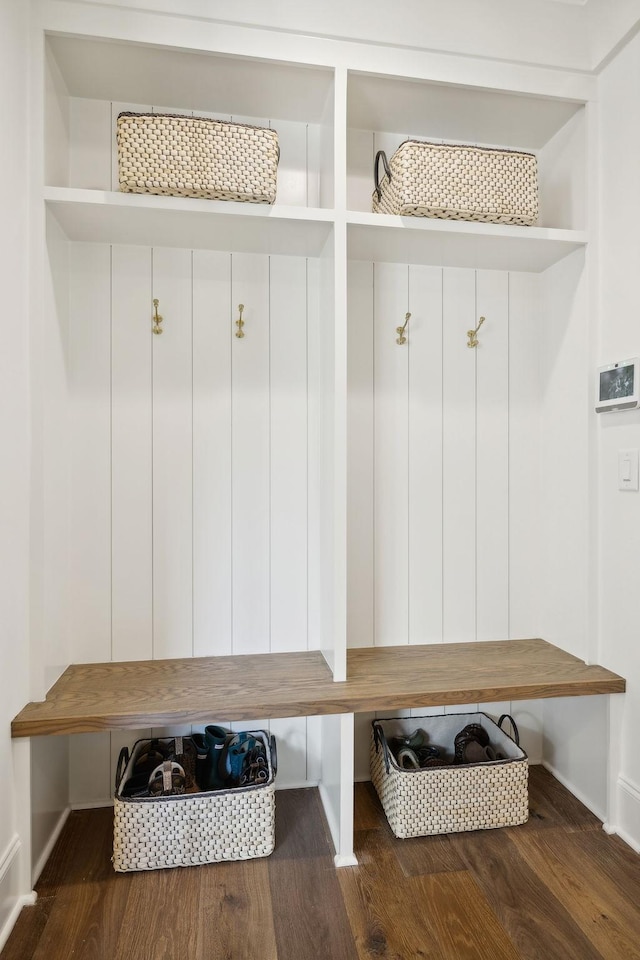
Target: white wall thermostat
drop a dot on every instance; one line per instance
(618, 386)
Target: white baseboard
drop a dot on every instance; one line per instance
(628, 807)
(46, 853)
(93, 804)
(11, 902)
(571, 787)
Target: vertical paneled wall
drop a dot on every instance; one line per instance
(191, 466)
(442, 483)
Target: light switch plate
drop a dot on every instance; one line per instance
(627, 469)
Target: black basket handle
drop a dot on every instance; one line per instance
(376, 169)
(514, 728)
(121, 765)
(379, 739)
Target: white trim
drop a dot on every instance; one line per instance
(92, 804)
(342, 861)
(46, 853)
(632, 792)
(583, 798)
(27, 900)
(630, 788)
(9, 857)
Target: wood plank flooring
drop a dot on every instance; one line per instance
(556, 888)
(144, 693)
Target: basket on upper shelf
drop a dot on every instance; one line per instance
(181, 156)
(457, 182)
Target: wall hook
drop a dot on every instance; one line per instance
(472, 334)
(240, 322)
(157, 319)
(401, 330)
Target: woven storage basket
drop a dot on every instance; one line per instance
(150, 833)
(458, 182)
(195, 157)
(476, 796)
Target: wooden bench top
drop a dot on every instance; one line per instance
(132, 695)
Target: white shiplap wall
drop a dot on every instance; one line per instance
(191, 467)
(433, 454)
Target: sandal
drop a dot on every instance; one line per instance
(168, 779)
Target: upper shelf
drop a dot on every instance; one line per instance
(103, 696)
(108, 217)
(105, 216)
(458, 243)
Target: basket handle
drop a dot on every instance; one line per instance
(376, 171)
(123, 760)
(380, 739)
(514, 728)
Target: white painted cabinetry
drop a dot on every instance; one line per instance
(313, 484)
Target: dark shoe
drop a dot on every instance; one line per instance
(214, 768)
(413, 740)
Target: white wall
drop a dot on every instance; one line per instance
(619, 337)
(535, 32)
(14, 442)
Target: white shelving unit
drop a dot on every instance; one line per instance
(288, 453)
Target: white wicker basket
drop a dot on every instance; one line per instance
(452, 799)
(150, 833)
(195, 157)
(458, 182)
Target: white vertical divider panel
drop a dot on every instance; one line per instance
(250, 455)
(458, 446)
(131, 441)
(172, 456)
(360, 533)
(314, 456)
(90, 468)
(424, 336)
(288, 456)
(212, 444)
(316, 313)
(524, 453)
(492, 456)
(391, 456)
(336, 786)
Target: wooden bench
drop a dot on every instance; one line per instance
(131, 695)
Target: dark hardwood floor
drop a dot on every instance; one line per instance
(556, 888)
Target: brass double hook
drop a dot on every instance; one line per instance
(473, 334)
(401, 331)
(240, 322)
(157, 319)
